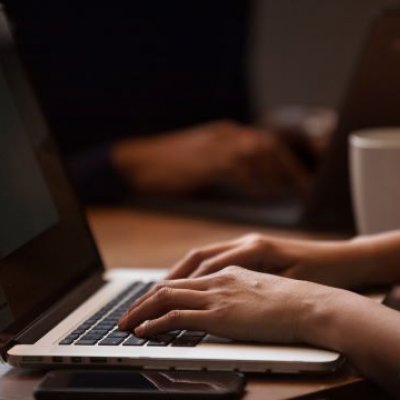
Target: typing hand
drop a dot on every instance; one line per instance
(344, 263)
(250, 161)
(234, 303)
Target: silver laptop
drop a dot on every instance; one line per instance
(58, 306)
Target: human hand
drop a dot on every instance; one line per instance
(234, 303)
(345, 263)
(252, 162)
(246, 305)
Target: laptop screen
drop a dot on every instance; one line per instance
(45, 246)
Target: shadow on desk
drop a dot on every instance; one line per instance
(360, 389)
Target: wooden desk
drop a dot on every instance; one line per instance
(135, 238)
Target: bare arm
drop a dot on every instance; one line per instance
(368, 333)
(364, 261)
(383, 254)
(239, 157)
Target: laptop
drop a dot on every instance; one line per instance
(372, 99)
(58, 306)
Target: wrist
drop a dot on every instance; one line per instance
(328, 319)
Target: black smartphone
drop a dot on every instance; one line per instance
(118, 384)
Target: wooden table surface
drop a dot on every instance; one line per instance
(135, 238)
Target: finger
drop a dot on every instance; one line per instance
(192, 260)
(194, 284)
(162, 302)
(175, 320)
(246, 256)
(198, 284)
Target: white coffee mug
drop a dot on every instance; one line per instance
(375, 179)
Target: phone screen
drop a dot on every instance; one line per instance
(108, 380)
(123, 382)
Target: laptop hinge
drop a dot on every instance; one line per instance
(46, 321)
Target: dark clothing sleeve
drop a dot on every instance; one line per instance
(94, 176)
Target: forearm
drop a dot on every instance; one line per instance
(366, 332)
(382, 258)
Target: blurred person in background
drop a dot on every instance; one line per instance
(151, 97)
(158, 97)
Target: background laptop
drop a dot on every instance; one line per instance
(372, 99)
(57, 306)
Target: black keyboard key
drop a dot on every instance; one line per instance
(110, 320)
(155, 343)
(78, 331)
(93, 330)
(84, 326)
(160, 340)
(111, 341)
(92, 336)
(193, 334)
(86, 342)
(73, 336)
(66, 342)
(175, 333)
(114, 316)
(118, 334)
(216, 339)
(186, 342)
(106, 322)
(104, 325)
(163, 337)
(98, 331)
(135, 341)
(92, 319)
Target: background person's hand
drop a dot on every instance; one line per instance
(235, 303)
(251, 161)
(345, 263)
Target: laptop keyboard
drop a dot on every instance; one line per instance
(101, 328)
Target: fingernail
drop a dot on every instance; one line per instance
(140, 330)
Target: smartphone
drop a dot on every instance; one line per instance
(118, 384)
